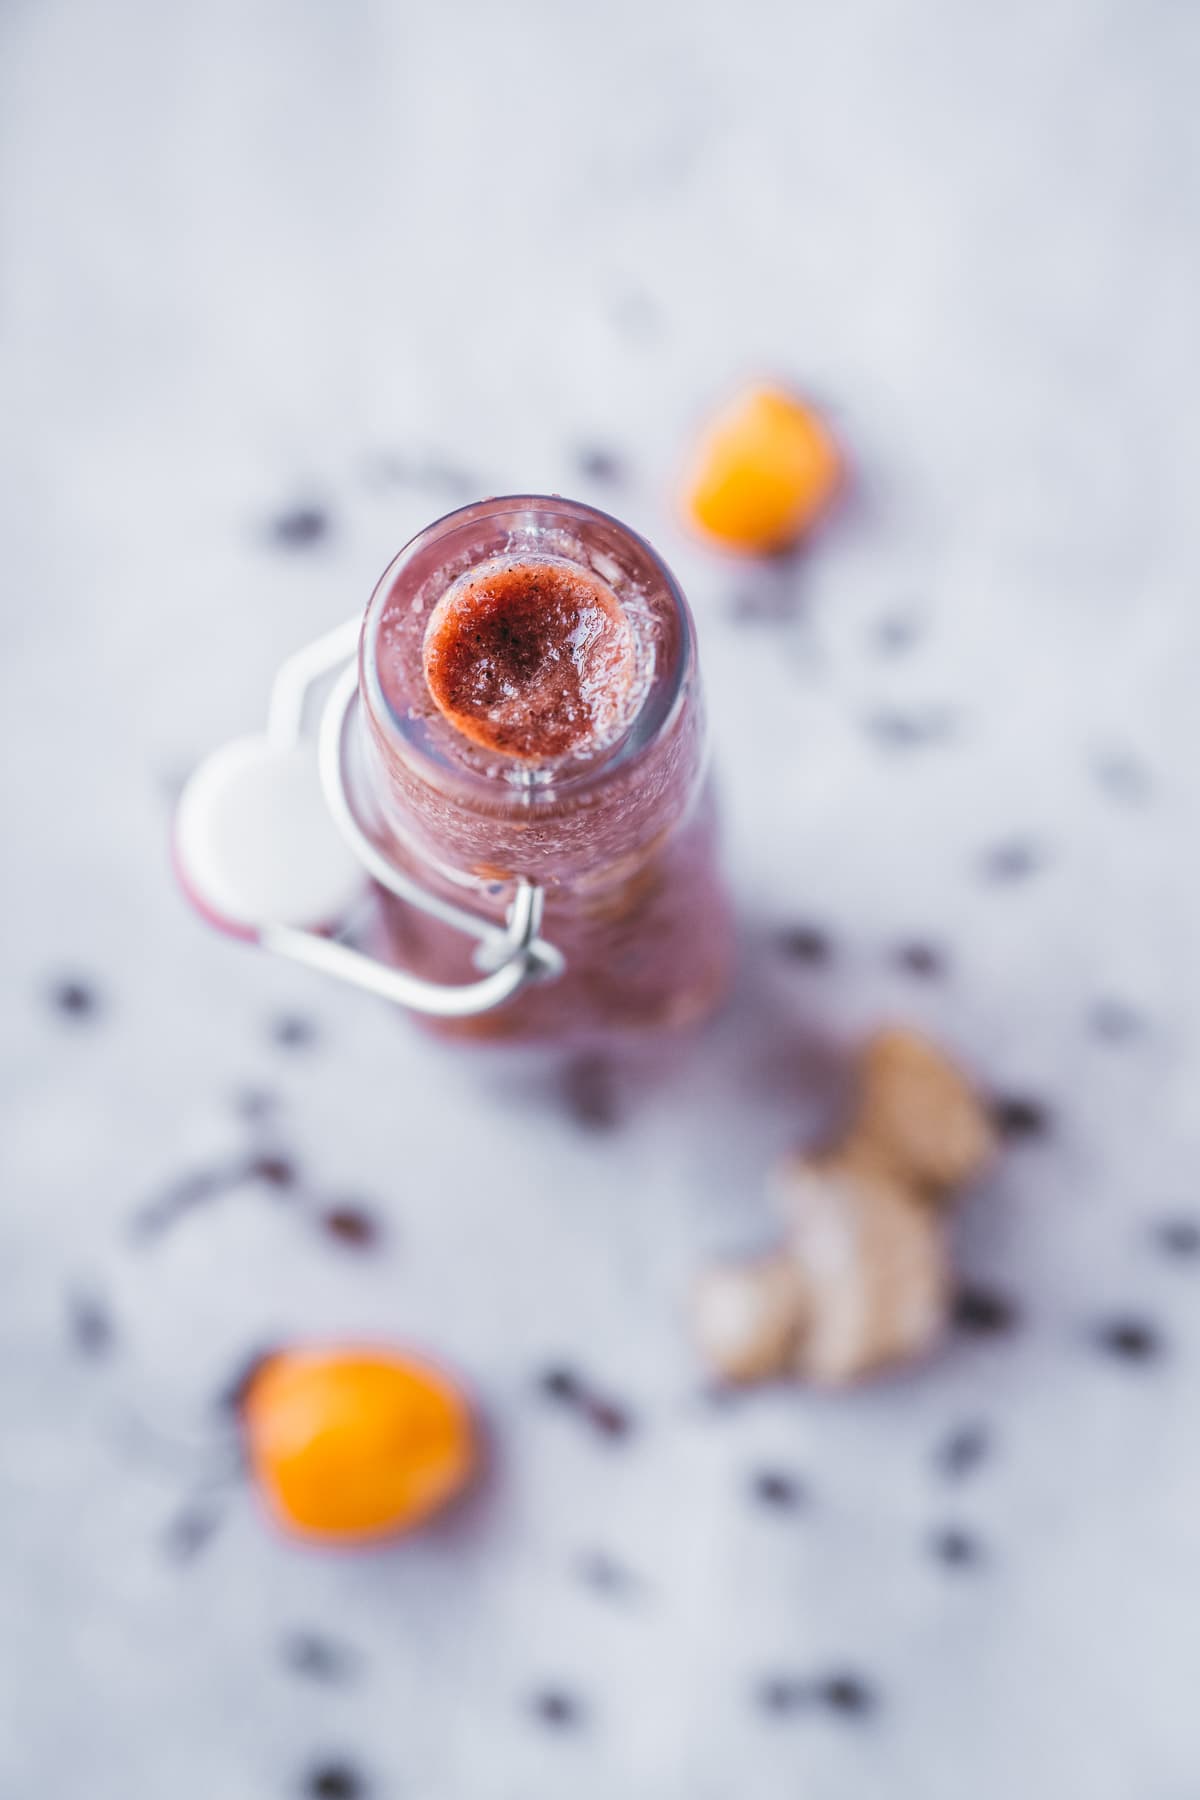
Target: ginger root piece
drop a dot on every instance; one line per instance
(918, 1115)
(746, 1316)
(861, 1279)
(873, 1266)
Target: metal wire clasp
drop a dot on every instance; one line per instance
(513, 954)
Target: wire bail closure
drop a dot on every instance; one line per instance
(513, 954)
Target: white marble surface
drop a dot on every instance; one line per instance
(250, 250)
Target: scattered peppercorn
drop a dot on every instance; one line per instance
(352, 1226)
(335, 1781)
(557, 1709)
(1132, 1340)
(90, 1324)
(1018, 1116)
(589, 1087)
(273, 1171)
(955, 1547)
(291, 1031)
(75, 999)
(190, 1191)
(609, 1419)
(1179, 1237)
(963, 1450)
(567, 1388)
(844, 1693)
(317, 1658)
(255, 1104)
(805, 943)
(984, 1312)
(596, 1569)
(1013, 861)
(300, 527)
(1115, 1021)
(775, 1489)
(896, 633)
(191, 1531)
(597, 464)
(847, 1694)
(1123, 777)
(923, 960)
(560, 1383)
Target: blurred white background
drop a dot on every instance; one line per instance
(280, 283)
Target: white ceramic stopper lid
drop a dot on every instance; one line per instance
(255, 842)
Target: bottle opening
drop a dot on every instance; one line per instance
(533, 658)
(528, 643)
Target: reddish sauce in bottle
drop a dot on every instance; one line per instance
(531, 659)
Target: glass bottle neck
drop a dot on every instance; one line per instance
(489, 816)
